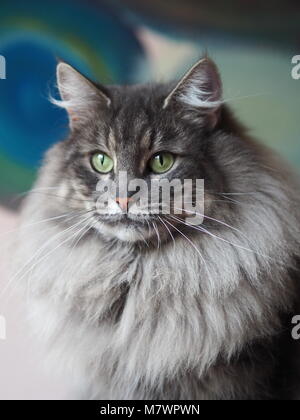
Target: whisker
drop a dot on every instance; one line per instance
(23, 194)
(230, 201)
(168, 230)
(241, 194)
(13, 278)
(62, 216)
(201, 229)
(35, 258)
(81, 232)
(217, 221)
(80, 200)
(157, 234)
(191, 242)
(143, 239)
(54, 249)
(37, 189)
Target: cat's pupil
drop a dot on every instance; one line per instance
(161, 160)
(102, 159)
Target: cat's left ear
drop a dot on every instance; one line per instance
(200, 91)
(80, 96)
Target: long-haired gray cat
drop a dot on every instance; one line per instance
(150, 306)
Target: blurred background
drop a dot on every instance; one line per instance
(131, 41)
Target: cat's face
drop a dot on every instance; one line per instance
(121, 135)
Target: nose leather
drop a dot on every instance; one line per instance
(123, 202)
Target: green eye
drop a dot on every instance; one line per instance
(162, 162)
(102, 163)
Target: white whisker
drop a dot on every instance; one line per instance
(201, 229)
(192, 243)
(157, 234)
(67, 216)
(40, 250)
(168, 230)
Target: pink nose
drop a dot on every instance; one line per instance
(123, 202)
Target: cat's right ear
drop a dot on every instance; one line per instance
(199, 92)
(80, 97)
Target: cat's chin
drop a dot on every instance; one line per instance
(124, 233)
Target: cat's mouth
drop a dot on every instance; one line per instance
(135, 227)
(126, 219)
(126, 227)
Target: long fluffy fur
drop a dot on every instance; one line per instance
(189, 320)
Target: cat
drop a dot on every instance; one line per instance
(152, 307)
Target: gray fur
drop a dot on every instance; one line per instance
(197, 318)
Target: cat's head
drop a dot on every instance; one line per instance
(146, 132)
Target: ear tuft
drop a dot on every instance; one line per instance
(79, 95)
(200, 88)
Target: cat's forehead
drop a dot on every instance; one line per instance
(147, 95)
(136, 115)
(137, 125)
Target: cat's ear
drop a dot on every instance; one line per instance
(80, 97)
(199, 90)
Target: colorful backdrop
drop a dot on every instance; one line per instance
(137, 40)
